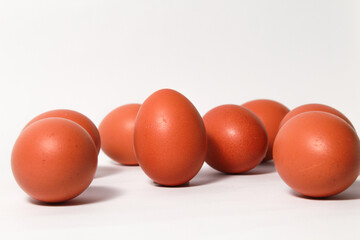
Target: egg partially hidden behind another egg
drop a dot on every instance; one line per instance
(270, 113)
(116, 132)
(314, 107)
(76, 117)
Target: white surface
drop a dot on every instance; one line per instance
(92, 56)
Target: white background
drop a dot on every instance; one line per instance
(93, 56)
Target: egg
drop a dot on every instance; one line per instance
(270, 113)
(317, 154)
(54, 160)
(237, 140)
(78, 118)
(116, 133)
(313, 107)
(169, 138)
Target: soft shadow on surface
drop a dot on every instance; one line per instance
(104, 171)
(205, 176)
(262, 168)
(123, 165)
(94, 194)
(177, 186)
(209, 175)
(352, 193)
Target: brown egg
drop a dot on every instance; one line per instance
(54, 160)
(169, 138)
(78, 118)
(116, 132)
(314, 107)
(270, 113)
(317, 154)
(237, 140)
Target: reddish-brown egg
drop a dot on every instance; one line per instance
(317, 154)
(237, 140)
(314, 107)
(54, 160)
(116, 132)
(169, 138)
(78, 118)
(270, 113)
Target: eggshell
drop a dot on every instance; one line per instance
(237, 140)
(270, 113)
(313, 107)
(54, 160)
(77, 117)
(317, 154)
(117, 131)
(169, 138)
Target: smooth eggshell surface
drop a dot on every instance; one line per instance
(237, 140)
(169, 138)
(54, 160)
(317, 154)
